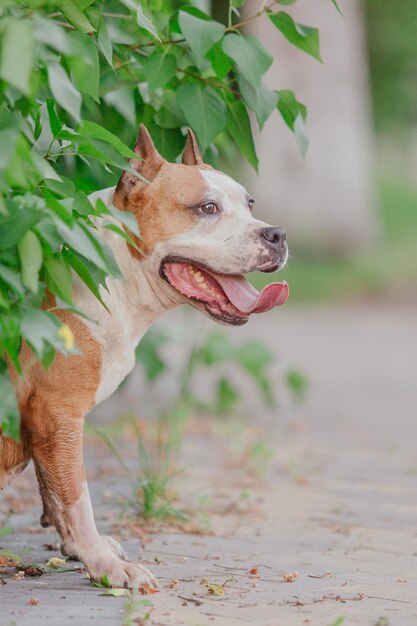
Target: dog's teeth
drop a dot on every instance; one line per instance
(199, 277)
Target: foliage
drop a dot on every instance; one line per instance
(392, 53)
(215, 358)
(70, 71)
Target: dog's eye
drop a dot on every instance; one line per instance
(209, 208)
(251, 203)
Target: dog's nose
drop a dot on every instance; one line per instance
(275, 235)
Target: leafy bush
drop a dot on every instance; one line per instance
(71, 70)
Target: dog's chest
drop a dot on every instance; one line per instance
(118, 360)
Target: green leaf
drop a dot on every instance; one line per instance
(303, 37)
(5, 531)
(75, 15)
(95, 131)
(54, 121)
(227, 397)
(238, 125)
(30, 254)
(11, 278)
(220, 62)
(254, 357)
(40, 332)
(96, 250)
(260, 99)
(294, 114)
(88, 273)
(15, 224)
(104, 582)
(63, 90)
(16, 54)
(116, 593)
(146, 23)
(217, 348)
(59, 278)
(200, 34)
(301, 135)
(125, 217)
(104, 42)
(204, 111)
(123, 100)
(169, 115)
(9, 413)
(142, 20)
(251, 58)
(84, 64)
(298, 384)
(50, 34)
(159, 68)
(84, 4)
(169, 142)
(9, 131)
(335, 4)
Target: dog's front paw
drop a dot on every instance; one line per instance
(109, 559)
(120, 573)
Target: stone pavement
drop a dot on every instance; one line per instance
(325, 519)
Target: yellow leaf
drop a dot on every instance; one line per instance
(55, 562)
(215, 590)
(65, 333)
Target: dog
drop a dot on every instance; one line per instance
(198, 237)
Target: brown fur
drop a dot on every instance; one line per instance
(159, 208)
(175, 191)
(53, 403)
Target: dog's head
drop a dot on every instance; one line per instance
(198, 234)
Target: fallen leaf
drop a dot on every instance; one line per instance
(55, 562)
(32, 571)
(290, 577)
(145, 589)
(116, 593)
(19, 575)
(34, 601)
(173, 584)
(253, 571)
(215, 590)
(401, 580)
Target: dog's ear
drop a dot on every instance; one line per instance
(147, 165)
(192, 154)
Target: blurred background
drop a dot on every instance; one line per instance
(350, 207)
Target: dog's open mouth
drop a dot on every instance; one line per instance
(228, 298)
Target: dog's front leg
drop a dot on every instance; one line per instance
(59, 465)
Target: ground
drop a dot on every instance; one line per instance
(317, 527)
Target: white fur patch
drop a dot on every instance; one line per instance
(133, 308)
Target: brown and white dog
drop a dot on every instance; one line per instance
(198, 239)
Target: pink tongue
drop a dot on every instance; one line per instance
(246, 298)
